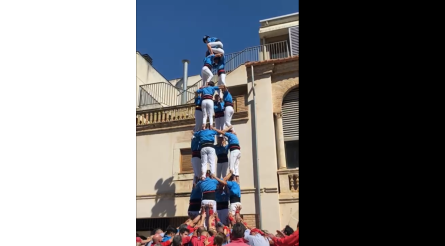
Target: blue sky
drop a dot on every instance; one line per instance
(172, 30)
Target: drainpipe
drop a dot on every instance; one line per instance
(184, 82)
(255, 144)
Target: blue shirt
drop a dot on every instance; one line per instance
(221, 150)
(209, 60)
(218, 106)
(198, 101)
(221, 63)
(232, 138)
(228, 97)
(196, 193)
(222, 196)
(208, 90)
(166, 238)
(212, 39)
(206, 136)
(195, 144)
(207, 184)
(234, 188)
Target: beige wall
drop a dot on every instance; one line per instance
(158, 172)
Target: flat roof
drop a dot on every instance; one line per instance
(279, 17)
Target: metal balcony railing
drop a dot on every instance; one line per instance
(164, 94)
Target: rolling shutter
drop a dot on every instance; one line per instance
(294, 40)
(186, 161)
(290, 110)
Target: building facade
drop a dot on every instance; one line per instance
(267, 129)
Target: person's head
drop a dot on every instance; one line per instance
(208, 173)
(217, 97)
(200, 229)
(219, 229)
(219, 239)
(156, 238)
(205, 39)
(288, 230)
(157, 231)
(224, 89)
(204, 233)
(216, 59)
(211, 232)
(232, 177)
(171, 231)
(177, 241)
(220, 140)
(184, 231)
(238, 230)
(208, 126)
(211, 83)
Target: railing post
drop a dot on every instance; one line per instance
(287, 49)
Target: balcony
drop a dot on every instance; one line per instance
(181, 116)
(289, 181)
(164, 95)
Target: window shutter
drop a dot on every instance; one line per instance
(186, 161)
(290, 110)
(294, 40)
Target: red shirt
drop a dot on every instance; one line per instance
(197, 241)
(292, 240)
(237, 242)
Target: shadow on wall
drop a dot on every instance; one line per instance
(165, 199)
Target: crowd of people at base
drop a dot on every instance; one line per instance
(238, 233)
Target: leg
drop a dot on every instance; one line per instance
(219, 123)
(206, 75)
(223, 168)
(205, 111)
(236, 165)
(204, 157)
(211, 156)
(198, 120)
(228, 113)
(210, 110)
(232, 159)
(218, 51)
(218, 170)
(217, 44)
(196, 164)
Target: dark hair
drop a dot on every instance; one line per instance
(177, 241)
(183, 229)
(288, 230)
(238, 230)
(143, 237)
(219, 239)
(211, 83)
(211, 232)
(170, 230)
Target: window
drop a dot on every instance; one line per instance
(292, 154)
(186, 161)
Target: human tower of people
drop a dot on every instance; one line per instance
(215, 200)
(217, 189)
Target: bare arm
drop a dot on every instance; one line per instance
(228, 175)
(219, 180)
(209, 48)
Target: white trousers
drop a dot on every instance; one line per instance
(207, 156)
(228, 113)
(205, 202)
(223, 215)
(219, 123)
(221, 169)
(221, 81)
(217, 47)
(196, 164)
(233, 207)
(207, 110)
(234, 159)
(206, 75)
(198, 120)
